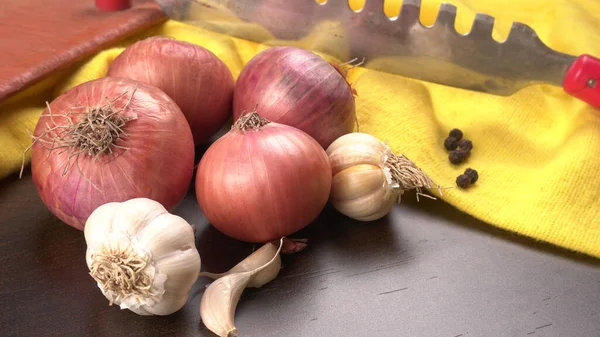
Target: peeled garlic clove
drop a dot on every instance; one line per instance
(361, 192)
(220, 299)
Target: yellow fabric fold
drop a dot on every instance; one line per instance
(537, 152)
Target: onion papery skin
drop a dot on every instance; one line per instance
(196, 79)
(158, 165)
(296, 87)
(259, 185)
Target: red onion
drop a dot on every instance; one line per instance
(297, 87)
(110, 139)
(197, 80)
(262, 180)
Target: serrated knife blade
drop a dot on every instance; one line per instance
(402, 44)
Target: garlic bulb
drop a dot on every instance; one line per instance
(368, 179)
(143, 258)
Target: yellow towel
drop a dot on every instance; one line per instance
(537, 152)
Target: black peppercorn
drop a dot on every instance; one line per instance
(458, 156)
(465, 144)
(451, 143)
(456, 133)
(463, 181)
(472, 174)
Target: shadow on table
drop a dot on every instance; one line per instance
(331, 230)
(341, 238)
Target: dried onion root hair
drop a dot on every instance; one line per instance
(93, 134)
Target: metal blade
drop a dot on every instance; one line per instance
(400, 45)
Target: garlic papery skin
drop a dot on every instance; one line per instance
(368, 178)
(142, 257)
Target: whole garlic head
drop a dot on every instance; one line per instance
(143, 258)
(368, 179)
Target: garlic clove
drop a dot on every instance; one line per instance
(362, 192)
(100, 224)
(254, 261)
(355, 154)
(356, 148)
(168, 301)
(140, 311)
(352, 139)
(257, 259)
(266, 275)
(356, 181)
(183, 267)
(134, 214)
(218, 304)
(220, 299)
(167, 232)
(368, 207)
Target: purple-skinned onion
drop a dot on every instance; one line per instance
(296, 87)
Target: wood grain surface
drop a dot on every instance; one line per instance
(38, 37)
(425, 270)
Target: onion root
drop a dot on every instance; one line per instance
(250, 121)
(94, 133)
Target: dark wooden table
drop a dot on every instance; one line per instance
(426, 270)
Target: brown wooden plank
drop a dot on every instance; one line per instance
(40, 37)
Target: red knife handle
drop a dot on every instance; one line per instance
(582, 80)
(113, 5)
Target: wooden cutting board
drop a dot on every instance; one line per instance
(38, 37)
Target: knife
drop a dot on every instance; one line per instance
(402, 45)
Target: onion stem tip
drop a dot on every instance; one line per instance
(250, 121)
